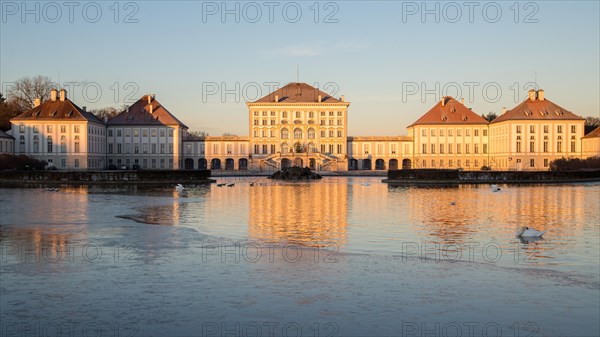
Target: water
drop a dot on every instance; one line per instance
(340, 257)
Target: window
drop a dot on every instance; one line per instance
(339, 148)
(532, 129)
(154, 148)
(162, 148)
(35, 129)
(110, 148)
(256, 149)
(284, 114)
(485, 148)
(76, 162)
(170, 133)
(110, 133)
(449, 148)
(264, 122)
(340, 122)
(76, 128)
(49, 129)
(441, 132)
(459, 132)
(424, 132)
(298, 114)
(63, 129)
(264, 149)
(432, 148)
(485, 133)
(450, 133)
(331, 122)
(284, 133)
(264, 113)
(331, 133)
(424, 148)
(339, 133)
(545, 128)
(458, 149)
(255, 113)
(273, 148)
(441, 148)
(518, 147)
(531, 162)
(171, 149)
(546, 162)
(119, 148)
(76, 146)
(531, 146)
(330, 113)
(311, 133)
(573, 128)
(467, 149)
(323, 133)
(22, 128)
(119, 133)
(49, 142)
(145, 133)
(272, 122)
(573, 146)
(36, 144)
(424, 163)
(136, 132)
(518, 129)
(476, 133)
(476, 149)
(433, 133)
(468, 132)
(339, 113)
(153, 132)
(559, 129)
(322, 122)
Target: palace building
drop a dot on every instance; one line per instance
(299, 125)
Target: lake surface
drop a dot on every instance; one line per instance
(339, 257)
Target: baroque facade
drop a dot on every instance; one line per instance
(299, 125)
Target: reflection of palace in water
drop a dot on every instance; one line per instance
(312, 214)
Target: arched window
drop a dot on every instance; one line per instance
(311, 133)
(285, 148)
(312, 148)
(297, 133)
(284, 133)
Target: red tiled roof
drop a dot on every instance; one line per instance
(58, 110)
(452, 112)
(298, 93)
(139, 114)
(595, 133)
(537, 110)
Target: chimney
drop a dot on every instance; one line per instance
(53, 94)
(342, 98)
(443, 101)
(276, 98)
(151, 109)
(541, 94)
(149, 98)
(462, 100)
(63, 95)
(531, 94)
(105, 119)
(503, 110)
(37, 102)
(319, 98)
(84, 108)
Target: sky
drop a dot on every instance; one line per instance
(393, 60)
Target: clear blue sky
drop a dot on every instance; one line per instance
(374, 54)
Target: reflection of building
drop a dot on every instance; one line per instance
(61, 133)
(534, 133)
(299, 125)
(303, 214)
(7, 143)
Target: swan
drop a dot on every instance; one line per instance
(495, 188)
(179, 188)
(529, 232)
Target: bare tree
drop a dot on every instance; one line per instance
(591, 123)
(490, 116)
(198, 134)
(228, 134)
(25, 90)
(8, 109)
(108, 112)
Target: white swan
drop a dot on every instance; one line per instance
(529, 232)
(179, 188)
(495, 188)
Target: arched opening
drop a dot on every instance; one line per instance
(380, 164)
(393, 164)
(215, 164)
(312, 164)
(285, 163)
(285, 148)
(243, 164)
(188, 164)
(366, 164)
(298, 162)
(312, 148)
(311, 133)
(202, 164)
(297, 133)
(229, 164)
(284, 133)
(353, 164)
(406, 164)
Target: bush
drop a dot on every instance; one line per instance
(20, 162)
(573, 164)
